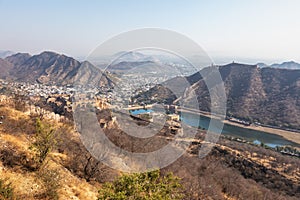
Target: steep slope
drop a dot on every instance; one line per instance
(88, 74)
(15, 143)
(283, 103)
(243, 87)
(18, 59)
(5, 67)
(47, 67)
(268, 95)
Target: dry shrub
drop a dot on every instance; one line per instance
(50, 179)
(6, 190)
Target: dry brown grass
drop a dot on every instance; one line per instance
(15, 135)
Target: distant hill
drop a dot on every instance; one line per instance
(287, 65)
(125, 65)
(51, 68)
(284, 65)
(267, 95)
(5, 67)
(102, 61)
(4, 54)
(262, 65)
(131, 56)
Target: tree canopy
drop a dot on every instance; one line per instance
(143, 186)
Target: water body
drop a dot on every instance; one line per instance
(254, 136)
(141, 111)
(257, 137)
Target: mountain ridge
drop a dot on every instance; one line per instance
(52, 68)
(4, 54)
(283, 65)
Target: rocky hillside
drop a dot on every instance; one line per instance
(5, 67)
(70, 172)
(267, 95)
(51, 68)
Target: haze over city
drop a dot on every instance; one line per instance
(243, 31)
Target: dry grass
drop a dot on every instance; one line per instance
(267, 161)
(26, 185)
(15, 134)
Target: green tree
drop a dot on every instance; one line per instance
(143, 186)
(45, 141)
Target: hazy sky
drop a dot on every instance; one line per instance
(241, 30)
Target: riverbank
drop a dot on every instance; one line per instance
(289, 135)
